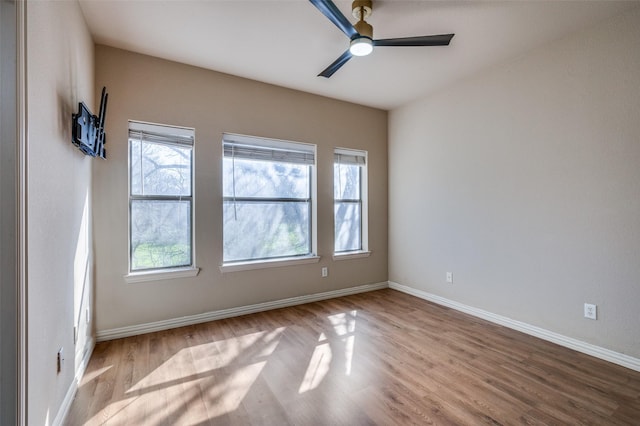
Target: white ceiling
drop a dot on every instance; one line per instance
(288, 42)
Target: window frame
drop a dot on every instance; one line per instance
(363, 201)
(166, 133)
(279, 261)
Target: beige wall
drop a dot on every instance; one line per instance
(154, 90)
(59, 260)
(524, 181)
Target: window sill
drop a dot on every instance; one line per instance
(164, 274)
(351, 255)
(263, 264)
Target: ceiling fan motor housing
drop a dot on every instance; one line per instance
(364, 29)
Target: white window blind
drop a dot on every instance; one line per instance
(254, 148)
(343, 156)
(151, 133)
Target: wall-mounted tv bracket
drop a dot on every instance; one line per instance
(87, 130)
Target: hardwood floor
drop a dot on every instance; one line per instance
(382, 357)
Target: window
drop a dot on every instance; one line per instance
(268, 190)
(350, 207)
(160, 197)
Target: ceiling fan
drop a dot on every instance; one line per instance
(361, 34)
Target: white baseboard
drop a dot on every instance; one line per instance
(63, 411)
(568, 342)
(117, 333)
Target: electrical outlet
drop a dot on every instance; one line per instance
(325, 272)
(450, 277)
(590, 311)
(60, 360)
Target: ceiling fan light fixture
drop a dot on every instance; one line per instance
(361, 46)
(361, 33)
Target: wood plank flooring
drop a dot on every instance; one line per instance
(382, 357)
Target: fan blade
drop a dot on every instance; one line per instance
(432, 40)
(335, 66)
(331, 11)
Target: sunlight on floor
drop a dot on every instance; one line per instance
(344, 325)
(227, 395)
(348, 354)
(89, 376)
(318, 367)
(224, 371)
(217, 375)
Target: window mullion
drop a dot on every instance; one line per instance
(162, 197)
(265, 200)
